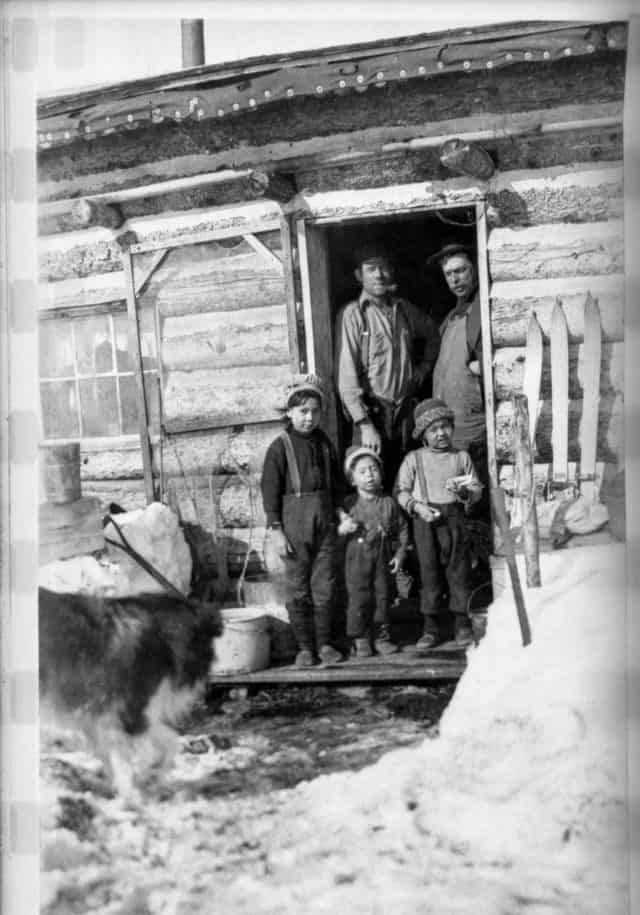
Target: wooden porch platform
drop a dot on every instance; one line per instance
(446, 662)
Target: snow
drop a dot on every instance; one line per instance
(154, 532)
(518, 805)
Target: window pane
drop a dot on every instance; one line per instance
(93, 345)
(147, 341)
(56, 349)
(121, 328)
(129, 401)
(59, 409)
(99, 405)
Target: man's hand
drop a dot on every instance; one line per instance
(369, 437)
(424, 511)
(395, 565)
(474, 367)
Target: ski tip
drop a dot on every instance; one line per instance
(591, 307)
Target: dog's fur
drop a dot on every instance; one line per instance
(124, 669)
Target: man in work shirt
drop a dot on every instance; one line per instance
(457, 375)
(385, 350)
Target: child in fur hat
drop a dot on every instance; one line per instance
(377, 540)
(299, 475)
(436, 485)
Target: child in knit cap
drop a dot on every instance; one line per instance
(377, 538)
(298, 477)
(436, 485)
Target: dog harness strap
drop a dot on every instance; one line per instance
(422, 480)
(292, 463)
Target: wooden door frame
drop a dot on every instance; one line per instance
(316, 305)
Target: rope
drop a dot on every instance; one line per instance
(126, 547)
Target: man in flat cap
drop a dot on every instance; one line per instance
(457, 375)
(385, 350)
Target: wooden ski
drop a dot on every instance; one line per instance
(559, 397)
(533, 375)
(591, 357)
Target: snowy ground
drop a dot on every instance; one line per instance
(518, 806)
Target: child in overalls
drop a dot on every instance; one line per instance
(299, 469)
(436, 484)
(377, 533)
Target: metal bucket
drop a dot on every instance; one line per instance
(245, 644)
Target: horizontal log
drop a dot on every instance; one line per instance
(189, 283)
(564, 194)
(252, 337)
(221, 451)
(253, 136)
(95, 250)
(185, 291)
(512, 304)
(509, 371)
(527, 152)
(556, 250)
(521, 132)
(221, 396)
(611, 442)
(127, 493)
(114, 461)
(542, 473)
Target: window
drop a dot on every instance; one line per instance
(87, 381)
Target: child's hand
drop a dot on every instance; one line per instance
(395, 565)
(277, 542)
(425, 512)
(347, 526)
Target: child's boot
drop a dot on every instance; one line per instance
(463, 631)
(430, 635)
(383, 643)
(363, 648)
(305, 658)
(329, 655)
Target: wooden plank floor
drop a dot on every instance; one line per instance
(446, 662)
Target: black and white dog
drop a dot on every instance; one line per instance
(124, 670)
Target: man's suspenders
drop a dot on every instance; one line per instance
(292, 464)
(365, 336)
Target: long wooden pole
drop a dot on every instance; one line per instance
(500, 514)
(135, 349)
(525, 490)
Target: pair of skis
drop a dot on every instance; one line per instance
(592, 346)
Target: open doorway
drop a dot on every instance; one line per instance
(411, 238)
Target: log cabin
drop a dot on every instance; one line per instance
(196, 230)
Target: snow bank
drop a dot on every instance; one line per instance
(154, 532)
(521, 802)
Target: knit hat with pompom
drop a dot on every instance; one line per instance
(428, 412)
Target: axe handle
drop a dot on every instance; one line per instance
(500, 512)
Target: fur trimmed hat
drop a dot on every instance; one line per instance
(354, 453)
(428, 412)
(312, 384)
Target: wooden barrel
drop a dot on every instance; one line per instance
(60, 473)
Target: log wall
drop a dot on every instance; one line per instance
(225, 341)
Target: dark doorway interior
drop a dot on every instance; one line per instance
(411, 239)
